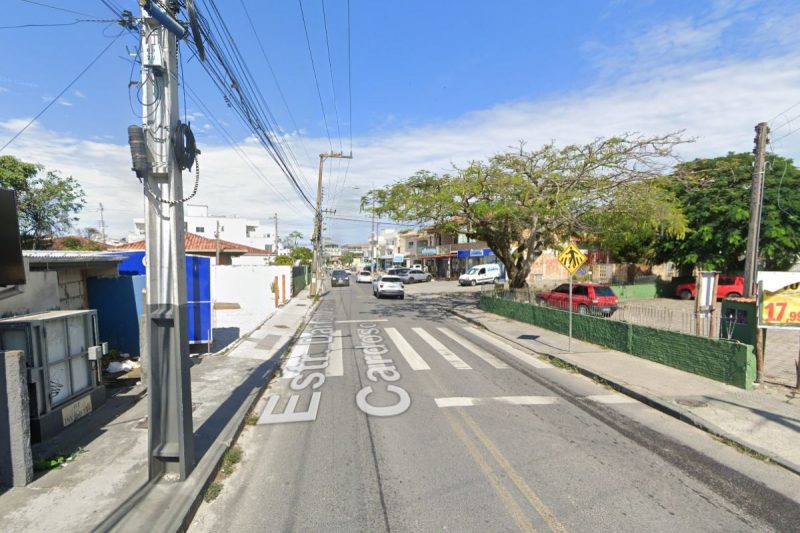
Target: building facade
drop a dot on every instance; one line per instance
(197, 220)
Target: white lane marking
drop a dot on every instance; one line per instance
(411, 356)
(461, 401)
(611, 398)
(293, 364)
(362, 320)
(335, 359)
(477, 350)
(442, 350)
(519, 354)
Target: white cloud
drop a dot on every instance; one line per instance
(717, 102)
(79, 94)
(64, 103)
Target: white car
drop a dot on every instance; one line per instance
(364, 277)
(388, 286)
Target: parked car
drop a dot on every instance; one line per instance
(388, 286)
(398, 271)
(480, 274)
(340, 278)
(414, 275)
(728, 287)
(587, 298)
(365, 276)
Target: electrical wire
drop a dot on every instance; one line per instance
(330, 69)
(65, 89)
(275, 79)
(230, 74)
(57, 8)
(316, 78)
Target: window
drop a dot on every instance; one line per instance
(602, 290)
(564, 288)
(580, 290)
(199, 229)
(482, 271)
(724, 280)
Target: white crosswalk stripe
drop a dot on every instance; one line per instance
(442, 350)
(477, 350)
(458, 401)
(519, 354)
(335, 360)
(414, 360)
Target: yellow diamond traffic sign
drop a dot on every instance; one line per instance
(572, 258)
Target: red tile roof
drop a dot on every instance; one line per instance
(196, 243)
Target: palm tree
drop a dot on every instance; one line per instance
(294, 236)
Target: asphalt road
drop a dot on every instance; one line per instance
(395, 415)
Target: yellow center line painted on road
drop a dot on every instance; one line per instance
(541, 508)
(503, 493)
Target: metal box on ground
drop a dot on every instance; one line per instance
(63, 379)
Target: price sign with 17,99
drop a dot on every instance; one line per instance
(779, 303)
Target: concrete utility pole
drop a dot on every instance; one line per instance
(275, 250)
(756, 201)
(217, 247)
(316, 265)
(171, 439)
(102, 223)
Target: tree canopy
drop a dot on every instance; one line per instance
(714, 195)
(304, 255)
(522, 202)
(47, 202)
(284, 260)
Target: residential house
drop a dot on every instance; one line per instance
(199, 245)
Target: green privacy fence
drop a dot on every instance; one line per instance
(300, 278)
(726, 361)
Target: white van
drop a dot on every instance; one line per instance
(480, 274)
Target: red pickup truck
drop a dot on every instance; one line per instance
(728, 287)
(587, 298)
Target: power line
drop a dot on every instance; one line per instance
(57, 8)
(316, 79)
(230, 74)
(349, 82)
(275, 79)
(330, 68)
(65, 89)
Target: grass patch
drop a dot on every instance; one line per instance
(213, 490)
(560, 363)
(251, 419)
(43, 464)
(231, 458)
(742, 449)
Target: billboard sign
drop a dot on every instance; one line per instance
(779, 300)
(12, 268)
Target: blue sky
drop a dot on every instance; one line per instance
(433, 84)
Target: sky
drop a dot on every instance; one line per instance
(425, 85)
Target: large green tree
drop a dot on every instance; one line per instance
(304, 255)
(714, 194)
(47, 202)
(522, 202)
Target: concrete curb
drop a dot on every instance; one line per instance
(665, 407)
(184, 502)
(231, 433)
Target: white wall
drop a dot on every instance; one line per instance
(249, 286)
(41, 294)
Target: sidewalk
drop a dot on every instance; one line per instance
(765, 420)
(105, 486)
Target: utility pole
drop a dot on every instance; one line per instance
(756, 201)
(216, 235)
(373, 238)
(102, 223)
(158, 162)
(316, 265)
(275, 251)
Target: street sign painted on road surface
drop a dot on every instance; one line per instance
(572, 258)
